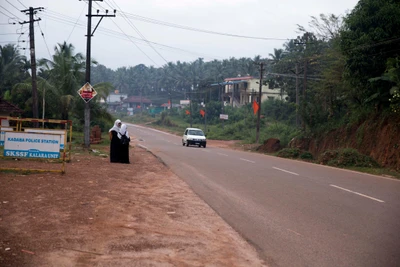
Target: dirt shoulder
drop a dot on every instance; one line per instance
(103, 214)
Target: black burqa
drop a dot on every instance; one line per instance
(124, 149)
(115, 143)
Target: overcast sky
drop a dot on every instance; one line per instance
(116, 42)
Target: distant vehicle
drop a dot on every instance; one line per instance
(194, 136)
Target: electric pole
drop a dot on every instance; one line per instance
(297, 94)
(190, 106)
(88, 61)
(141, 102)
(222, 102)
(259, 103)
(32, 11)
(306, 35)
(304, 91)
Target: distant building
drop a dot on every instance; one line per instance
(136, 103)
(114, 101)
(239, 91)
(7, 109)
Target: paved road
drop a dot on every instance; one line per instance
(294, 213)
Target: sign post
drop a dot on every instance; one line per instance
(32, 145)
(87, 92)
(223, 117)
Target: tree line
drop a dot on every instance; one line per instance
(338, 69)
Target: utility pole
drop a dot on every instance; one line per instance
(306, 35)
(170, 101)
(259, 103)
(141, 103)
(205, 109)
(297, 94)
(32, 11)
(233, 96)
(304, 91)
(222, 102)
(88, 61)
(190, 105)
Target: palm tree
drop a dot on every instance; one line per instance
(277, 56)
(66, 74)
(13, 68)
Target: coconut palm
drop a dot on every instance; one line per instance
(66, 73)
(13, 68)
(277, 56)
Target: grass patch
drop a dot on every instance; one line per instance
(306, 156)
(347, 157)
(291, 153)
(377, 171)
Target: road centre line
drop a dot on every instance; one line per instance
(247, 160)
(354, 192)
(282, 170)
(290, 230)
(222, 154)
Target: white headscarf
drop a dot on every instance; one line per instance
(123, 131)
(115, 127)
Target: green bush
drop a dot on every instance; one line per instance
(292, 153)
(306, 156)
(165, 120)
(346, 157)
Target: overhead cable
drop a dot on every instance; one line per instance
(163, 23)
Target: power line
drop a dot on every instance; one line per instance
(163, 23)
(134, 43)
(148, 42)
(13, 5)
(140, 34)
(44, 39)
(364, 46)
(10, 13)
(21, 4)
(76, 22)
(309, 77)
(109, 32)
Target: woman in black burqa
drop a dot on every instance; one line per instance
(115, 142)
(123, 135)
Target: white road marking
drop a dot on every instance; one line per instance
(247, 160)
(177, 144)
(205, 150)
(282, 170)
(293, 232)
(222, 154)
(143, 147)
(354, 192)
(150, 129)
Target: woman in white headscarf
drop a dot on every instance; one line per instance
(123, 135)
(115, 141)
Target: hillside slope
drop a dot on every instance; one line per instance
(376, 137)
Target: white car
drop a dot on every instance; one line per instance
(194, 136)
